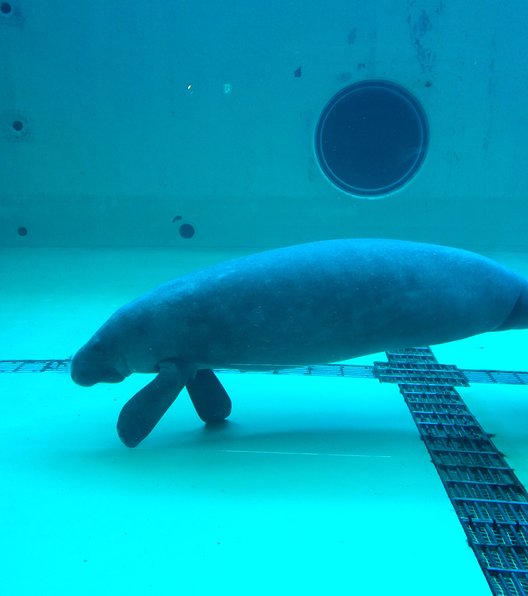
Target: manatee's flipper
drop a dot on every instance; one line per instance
(143, 411)
(208, 396)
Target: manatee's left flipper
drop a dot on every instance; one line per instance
(209, 397)
(143, 411)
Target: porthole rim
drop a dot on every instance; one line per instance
(404, 180)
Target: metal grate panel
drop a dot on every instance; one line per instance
(402, 373)
(420, 371)
(490, 501)
(34, 366)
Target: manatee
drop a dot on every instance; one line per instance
(306, 304)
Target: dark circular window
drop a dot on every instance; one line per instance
(371, 138)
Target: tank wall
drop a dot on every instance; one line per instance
(139, 117)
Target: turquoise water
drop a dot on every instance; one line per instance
(138, 119)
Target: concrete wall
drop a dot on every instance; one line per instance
(137, 117)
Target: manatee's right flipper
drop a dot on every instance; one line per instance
(143, 411)
(208, 396)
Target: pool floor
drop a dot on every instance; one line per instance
(315, 484)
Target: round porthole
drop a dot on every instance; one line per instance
(371, 138)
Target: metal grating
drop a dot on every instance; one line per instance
(420, 371)
(34, 366)
(506, 377)
(402, 372)
(490, 501)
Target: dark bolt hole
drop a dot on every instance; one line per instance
(22, 231)
(18, 125)
(186, 230)
(5, 8)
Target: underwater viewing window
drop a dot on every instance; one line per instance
(371, 138)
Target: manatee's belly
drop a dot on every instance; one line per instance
(309, 339)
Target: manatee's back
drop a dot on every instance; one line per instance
(334, 300)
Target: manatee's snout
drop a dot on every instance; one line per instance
(80, 376)
(87, 378)
(89, 367)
